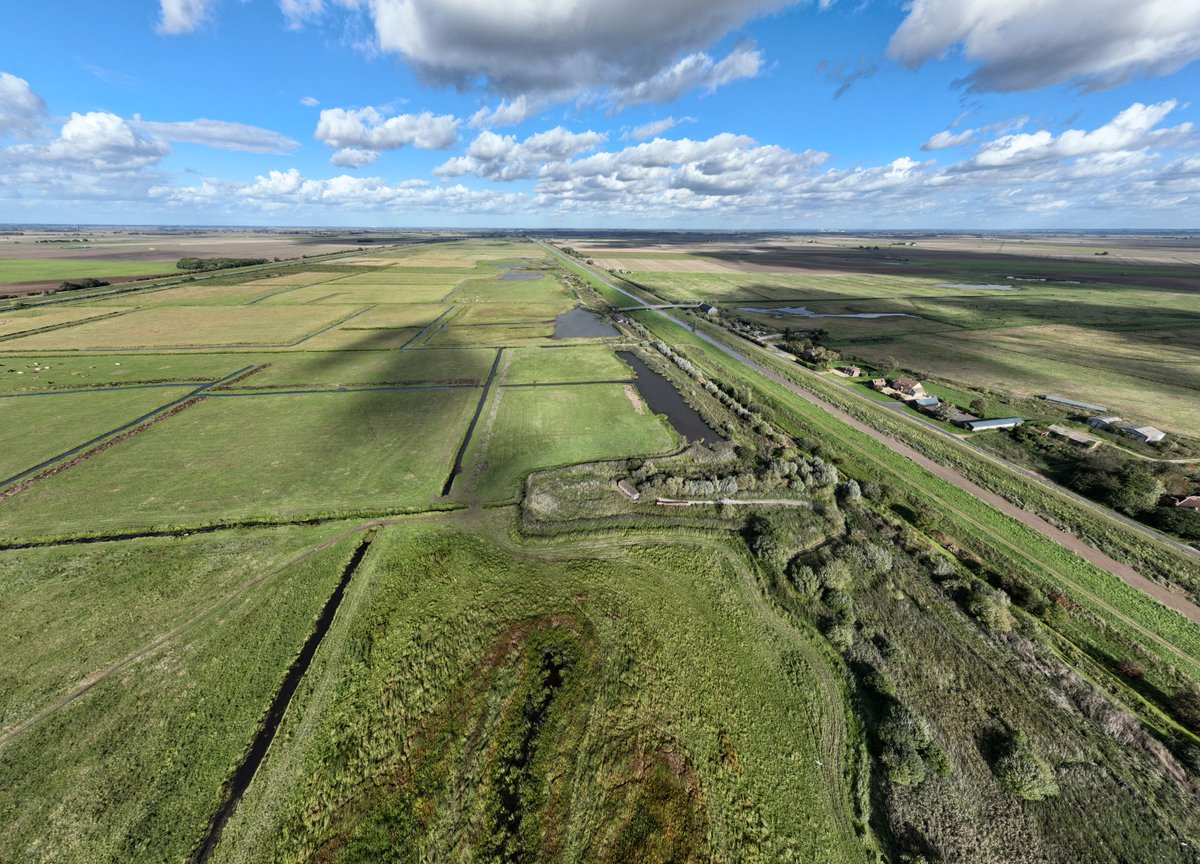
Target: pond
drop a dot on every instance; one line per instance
(805, 312)
(579, 323)
(521, 276)
(662, 397)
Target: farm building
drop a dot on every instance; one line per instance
(909, 387)
(1147, 434)
(850, 371)
(879, 384)
(962, 418)
(1104, 422)
(1088, 442)
(927, 402)
(708, 309)
(997, 423)
(629, 490)
(1191, 502)
(1071, 403)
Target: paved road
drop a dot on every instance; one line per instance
(1123, 571)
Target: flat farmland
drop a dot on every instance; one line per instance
(200, 294)
(69, 613)
(14, 270)
(510, 291)
(36, 428)
(20, 374)
(351, 339)
(512, 312)
(181, 327)
(12, 323)
(1124, 373)
(134, 768)
(257, 457)
(373, 368)
(496, 335)
(558, 365)
(528, 428)
(397, 315)
(343, 292)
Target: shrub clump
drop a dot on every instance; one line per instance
(1023, 772)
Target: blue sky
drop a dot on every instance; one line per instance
(1047, 113)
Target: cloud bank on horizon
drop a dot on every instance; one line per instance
(1004, 113)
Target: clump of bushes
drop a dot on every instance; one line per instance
(79, 284)
(201, 265)
(908, 747)
(1023, 772)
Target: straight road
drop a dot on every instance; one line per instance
(1094, 556)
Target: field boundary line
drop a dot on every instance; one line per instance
(111, 437)
(63, 325)
(426, 328)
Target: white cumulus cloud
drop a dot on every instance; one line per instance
(22, 112)
(369, 130)
(1027, 44)
(182, 16)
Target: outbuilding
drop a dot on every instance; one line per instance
(1104, 422)
(708, 309)
(997, 423)
(1147, 434)
(629, 490)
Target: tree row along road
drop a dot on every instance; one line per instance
(1031, 520)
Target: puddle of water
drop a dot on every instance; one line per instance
(521, 276)
(579, 323)
(662, 397)
(805, 312)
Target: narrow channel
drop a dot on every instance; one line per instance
(462, 450)
(270, 724)
(662, 397)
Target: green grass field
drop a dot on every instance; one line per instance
(134, 768)
(36, 428)
(556, 365)
(70, 371)
(537, 427)
(52, 269)
(181, 327)
(259, 457)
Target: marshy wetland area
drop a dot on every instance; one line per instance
(450, 548)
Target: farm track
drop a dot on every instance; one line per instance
(1030, 520)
